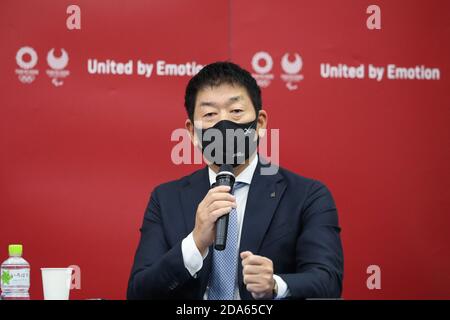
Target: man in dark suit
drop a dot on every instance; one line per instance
(283, 240)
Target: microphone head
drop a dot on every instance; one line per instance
(225, 177)
(226, 168)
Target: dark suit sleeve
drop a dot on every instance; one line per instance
(319, 256)
(158, 269)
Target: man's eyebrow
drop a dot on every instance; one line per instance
(207, 104)
(231, 100)
(235, 99)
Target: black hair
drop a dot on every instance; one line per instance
(218, 73)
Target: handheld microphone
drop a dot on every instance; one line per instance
(225, 177)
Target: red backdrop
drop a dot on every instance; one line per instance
(78, 161)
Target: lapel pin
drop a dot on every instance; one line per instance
(272, 195)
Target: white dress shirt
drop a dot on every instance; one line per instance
(193, 260)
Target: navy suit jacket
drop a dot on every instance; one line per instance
(289, 219)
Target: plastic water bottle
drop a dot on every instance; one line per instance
(15, 275)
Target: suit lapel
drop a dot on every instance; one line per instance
(264, 194)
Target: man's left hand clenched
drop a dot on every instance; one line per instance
(258, 275)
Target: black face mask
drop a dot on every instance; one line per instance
(228, 142)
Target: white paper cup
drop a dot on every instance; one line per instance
(56, 283)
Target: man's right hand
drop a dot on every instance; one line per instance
(217, 202)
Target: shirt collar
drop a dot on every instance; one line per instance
(245, 176)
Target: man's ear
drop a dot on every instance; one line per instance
(190, 128)
(261, 123)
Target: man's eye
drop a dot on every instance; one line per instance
(209, 114)
(236, 110)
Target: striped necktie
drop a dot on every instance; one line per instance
(224, 263)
